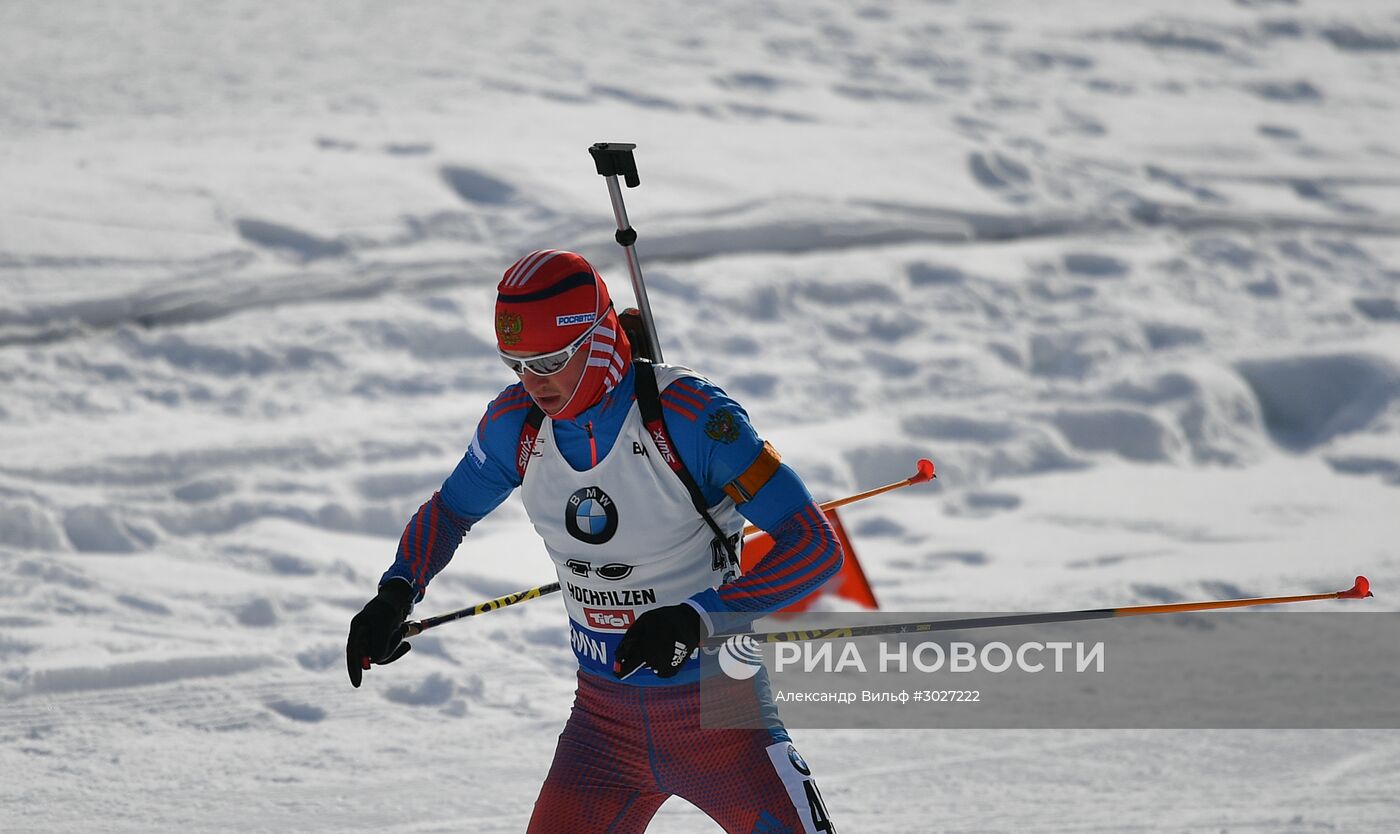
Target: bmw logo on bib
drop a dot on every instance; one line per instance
(591, 516)
(797, 762)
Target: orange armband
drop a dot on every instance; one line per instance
(743, 488)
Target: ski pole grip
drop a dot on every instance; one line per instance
(615, 159)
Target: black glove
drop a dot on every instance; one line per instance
(662, 638)
(376, 633)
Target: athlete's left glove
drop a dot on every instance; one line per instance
(376, 633)
(662, 638)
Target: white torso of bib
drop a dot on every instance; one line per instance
(624, 535)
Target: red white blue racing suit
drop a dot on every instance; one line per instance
(626, 538)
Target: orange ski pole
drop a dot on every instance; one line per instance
(1360, 590)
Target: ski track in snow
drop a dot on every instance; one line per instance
(1129, 273)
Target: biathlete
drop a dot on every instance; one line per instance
(638, 477)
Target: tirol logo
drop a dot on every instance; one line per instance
(740, 657)
(591, 516)
(608, 619)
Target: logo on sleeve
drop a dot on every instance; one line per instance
(721, 427)
(478, 454)
(591, 516)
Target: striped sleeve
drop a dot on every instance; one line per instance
(712, 434)
(687, 398)
(486, 474)
(805, 554)
(427, 544)
(483, 479)
(719, 444)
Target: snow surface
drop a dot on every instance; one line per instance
(1129, 272)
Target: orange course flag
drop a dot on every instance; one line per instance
(849, 582)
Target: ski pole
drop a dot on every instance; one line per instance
(1360, 590)
(925, 473)
(420, 626)
(613, 160)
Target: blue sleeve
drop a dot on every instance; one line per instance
(717, 443)
(484, 477)
(486, 474)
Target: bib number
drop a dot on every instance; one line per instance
(820, 819)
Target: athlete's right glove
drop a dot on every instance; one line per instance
(376, 633)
